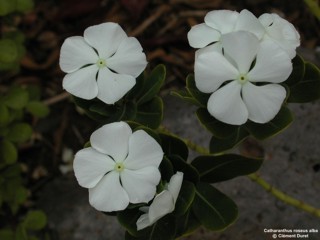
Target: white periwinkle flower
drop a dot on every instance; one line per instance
(281, 32)
(119, 167)
(219, 22)
(237, 78)
(104, 63)
(162, 204)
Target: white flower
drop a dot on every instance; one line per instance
(162, 204)
(245, 96)
(119, 167)
(281, 32)
(103, 64)
(219, 22)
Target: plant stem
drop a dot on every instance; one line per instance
(254, 177)
(313, 7)
(284, 197)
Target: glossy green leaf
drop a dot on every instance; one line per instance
(35, 220)
(297, 73)
(186, 224)
(8, 51)
(8, 153)
(172, 145)
(213, 209)
(308, 89)
(16, 98)
(189, 172)
(24, 5)
(4, 115)
(217, 128)
(200, 97)
(138, 88)
(7, 234)
(152, 84)
(262, 131)
(19, 132)
(220, 168)
(218, 145)
(150, 113)
(185, 198)
(37, 109)
(166, 169)
(128, 219)
(186, 96)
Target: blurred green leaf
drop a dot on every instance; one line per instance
(6, 234)
(152, 84)
(19, 132)
(24, 5)
(37, 109)
(308, 89)
(21, 233)
(6, 7)
(16, 98)
(8, 51)
(185, 198)
(35, 220)
(217, 128)
(218, 145)
(213, 209)
(150, 113)
(34, 92)
(4, 115)
(173, 146)
(8, 153)
(214, 169)
(262, 131)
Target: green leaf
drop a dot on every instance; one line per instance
(213, 209)
(19, 132)
(189, 172)
(8, 153)
(152, 84)
(172, 145)
(217, 128)
(185, 198)
(6, 234)
(16, 98)
(21, 233)
(262, 131)
(298, 69)
(214, 169)
(34, 92)
(308, 89)
(150, 113)
(38, 109)
(187, 224)
(218, 145)
(4, 115)
(24, 5)
(128, 219)
(137, 90)
(6, 7)
(166, 169)
(200, 97)
(8, 51)
(35, 220)
(186, 96)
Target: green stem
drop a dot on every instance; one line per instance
(313, 7)
(284, 197)
(254, 177)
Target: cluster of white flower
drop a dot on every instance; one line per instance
(239, 54)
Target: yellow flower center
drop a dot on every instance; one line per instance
(119, 167)
(242, 78)
(101, 63)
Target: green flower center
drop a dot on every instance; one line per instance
(242, 79)
(101, 63)
(119, 167)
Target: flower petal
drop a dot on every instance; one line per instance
(263, 102)
(105, 38)
(90, 166)
(82, 83)
(211, 70)
(227, 106)
(144, 151)
(248, 22)
(162, 204)
(113, 86)
(108, 195)
(282, 32)
(143, 221)
(222, 20)
(129, 58)
(76, 53)
(242, 47)
(112, 139)
(140, 184)
(202, 35)
(272, 64)
(174, 185)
